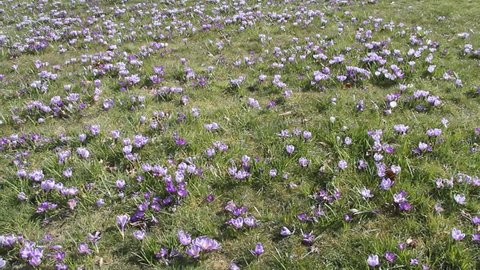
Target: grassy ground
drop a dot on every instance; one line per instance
(347, 226)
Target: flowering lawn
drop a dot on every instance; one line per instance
(239, 134)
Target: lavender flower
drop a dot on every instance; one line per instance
(83, 152)
(457, 234)
(121, 222)
(390, 256)
(285, 231)
(460, 199)
(184, 238)
(193, 251)
(84, 249)
(373, 260)
(258, 250)
(342, 164)
(366, 193)
(206, 244)
(289, 148)
(139, 235)
(303, 162)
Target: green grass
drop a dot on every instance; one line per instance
(376, 226)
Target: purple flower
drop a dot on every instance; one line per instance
(94, 237)
(460, 199)
(84, 249)
(289, 148)
(386, 183)
(122, 221)
(210, 198)
(237, 223)
(115, 134)
(476, 220)
(401, 129)
(303, 162)
(253, 103)
(476, 237)
(22, 196)
(83, 152)
(250, 221)
(206, 244)
(180, 141)
(366, 193)
(390, 256)
(457, 234)
(139, 235)
(373, 260)
(307, 134)
(405, 206)
(193, 251)
(342, 164)
(308, 239)
(284, 231)
(258, 250)
(233, 266)
(120, 183)
(184, 238)
(3, 263)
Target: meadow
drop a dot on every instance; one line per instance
(239, 134)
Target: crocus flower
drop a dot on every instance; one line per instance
(83, 152)
(121, 222)
(250, 221)
(3, 263)
(233, 266)
(303, 162)
(84, 249)
(258, 250)
(390, 256)
(460, 199)
(366, 193)
(184, 238)
(342, 164)
(476, 237)
(457, 234)
(285, 231)
(373, 260)
(193, 251)
(308, 239)
(139, 235)
(206, 244)
(289, 148)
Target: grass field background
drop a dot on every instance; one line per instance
(232, 120)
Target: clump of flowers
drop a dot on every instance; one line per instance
(195, 247)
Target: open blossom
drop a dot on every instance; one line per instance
(193, 251)
(342, 164)
(206, 243)
(457, 234)
(139, 235)
(84, 249)
(366, 193)
(184, 238)
(460, 199)
(83, 152)
(373, 260)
